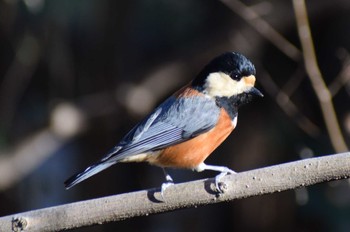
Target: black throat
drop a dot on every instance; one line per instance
(231, 104)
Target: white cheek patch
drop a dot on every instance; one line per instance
(222, 85)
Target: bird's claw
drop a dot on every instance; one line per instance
(219, 186)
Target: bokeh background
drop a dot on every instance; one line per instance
(75, 76)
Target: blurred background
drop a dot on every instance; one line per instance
(75, 76)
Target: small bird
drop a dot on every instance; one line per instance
(188, 126)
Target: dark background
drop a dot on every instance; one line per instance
(75, 76)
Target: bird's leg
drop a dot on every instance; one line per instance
(223, 172)
(169, 182)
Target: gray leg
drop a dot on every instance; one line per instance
(223, 172)
(169, 182)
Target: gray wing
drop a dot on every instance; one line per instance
(174, 121)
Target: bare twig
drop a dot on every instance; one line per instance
(191, 194)
(343, 77)
(323, 94)
(294, 81)
(264, 28)
(286, 104)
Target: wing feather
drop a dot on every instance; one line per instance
(174, 121)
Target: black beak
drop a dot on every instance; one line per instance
(254, 91)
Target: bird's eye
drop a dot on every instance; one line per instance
(235, 76)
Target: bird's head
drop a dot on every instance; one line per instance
(230, 75)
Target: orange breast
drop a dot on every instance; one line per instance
(193, 152)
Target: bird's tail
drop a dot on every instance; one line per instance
(88, 172)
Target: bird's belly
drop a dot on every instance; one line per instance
(193, 152)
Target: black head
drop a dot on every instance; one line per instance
(230, 79)
(233, 64)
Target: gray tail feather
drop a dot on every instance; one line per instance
(88, 172)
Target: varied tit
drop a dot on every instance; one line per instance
(187, 127)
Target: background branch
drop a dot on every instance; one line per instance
(286, 104)
(186, 195)
(264, 28)
(322, 92)
(343, 77)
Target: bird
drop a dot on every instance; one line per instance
(189, 125)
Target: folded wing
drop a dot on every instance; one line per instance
(173, 122)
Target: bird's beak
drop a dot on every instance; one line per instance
(250, 81)
(254, 91)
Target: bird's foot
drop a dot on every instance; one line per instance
(220, 186)
(223, 172)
